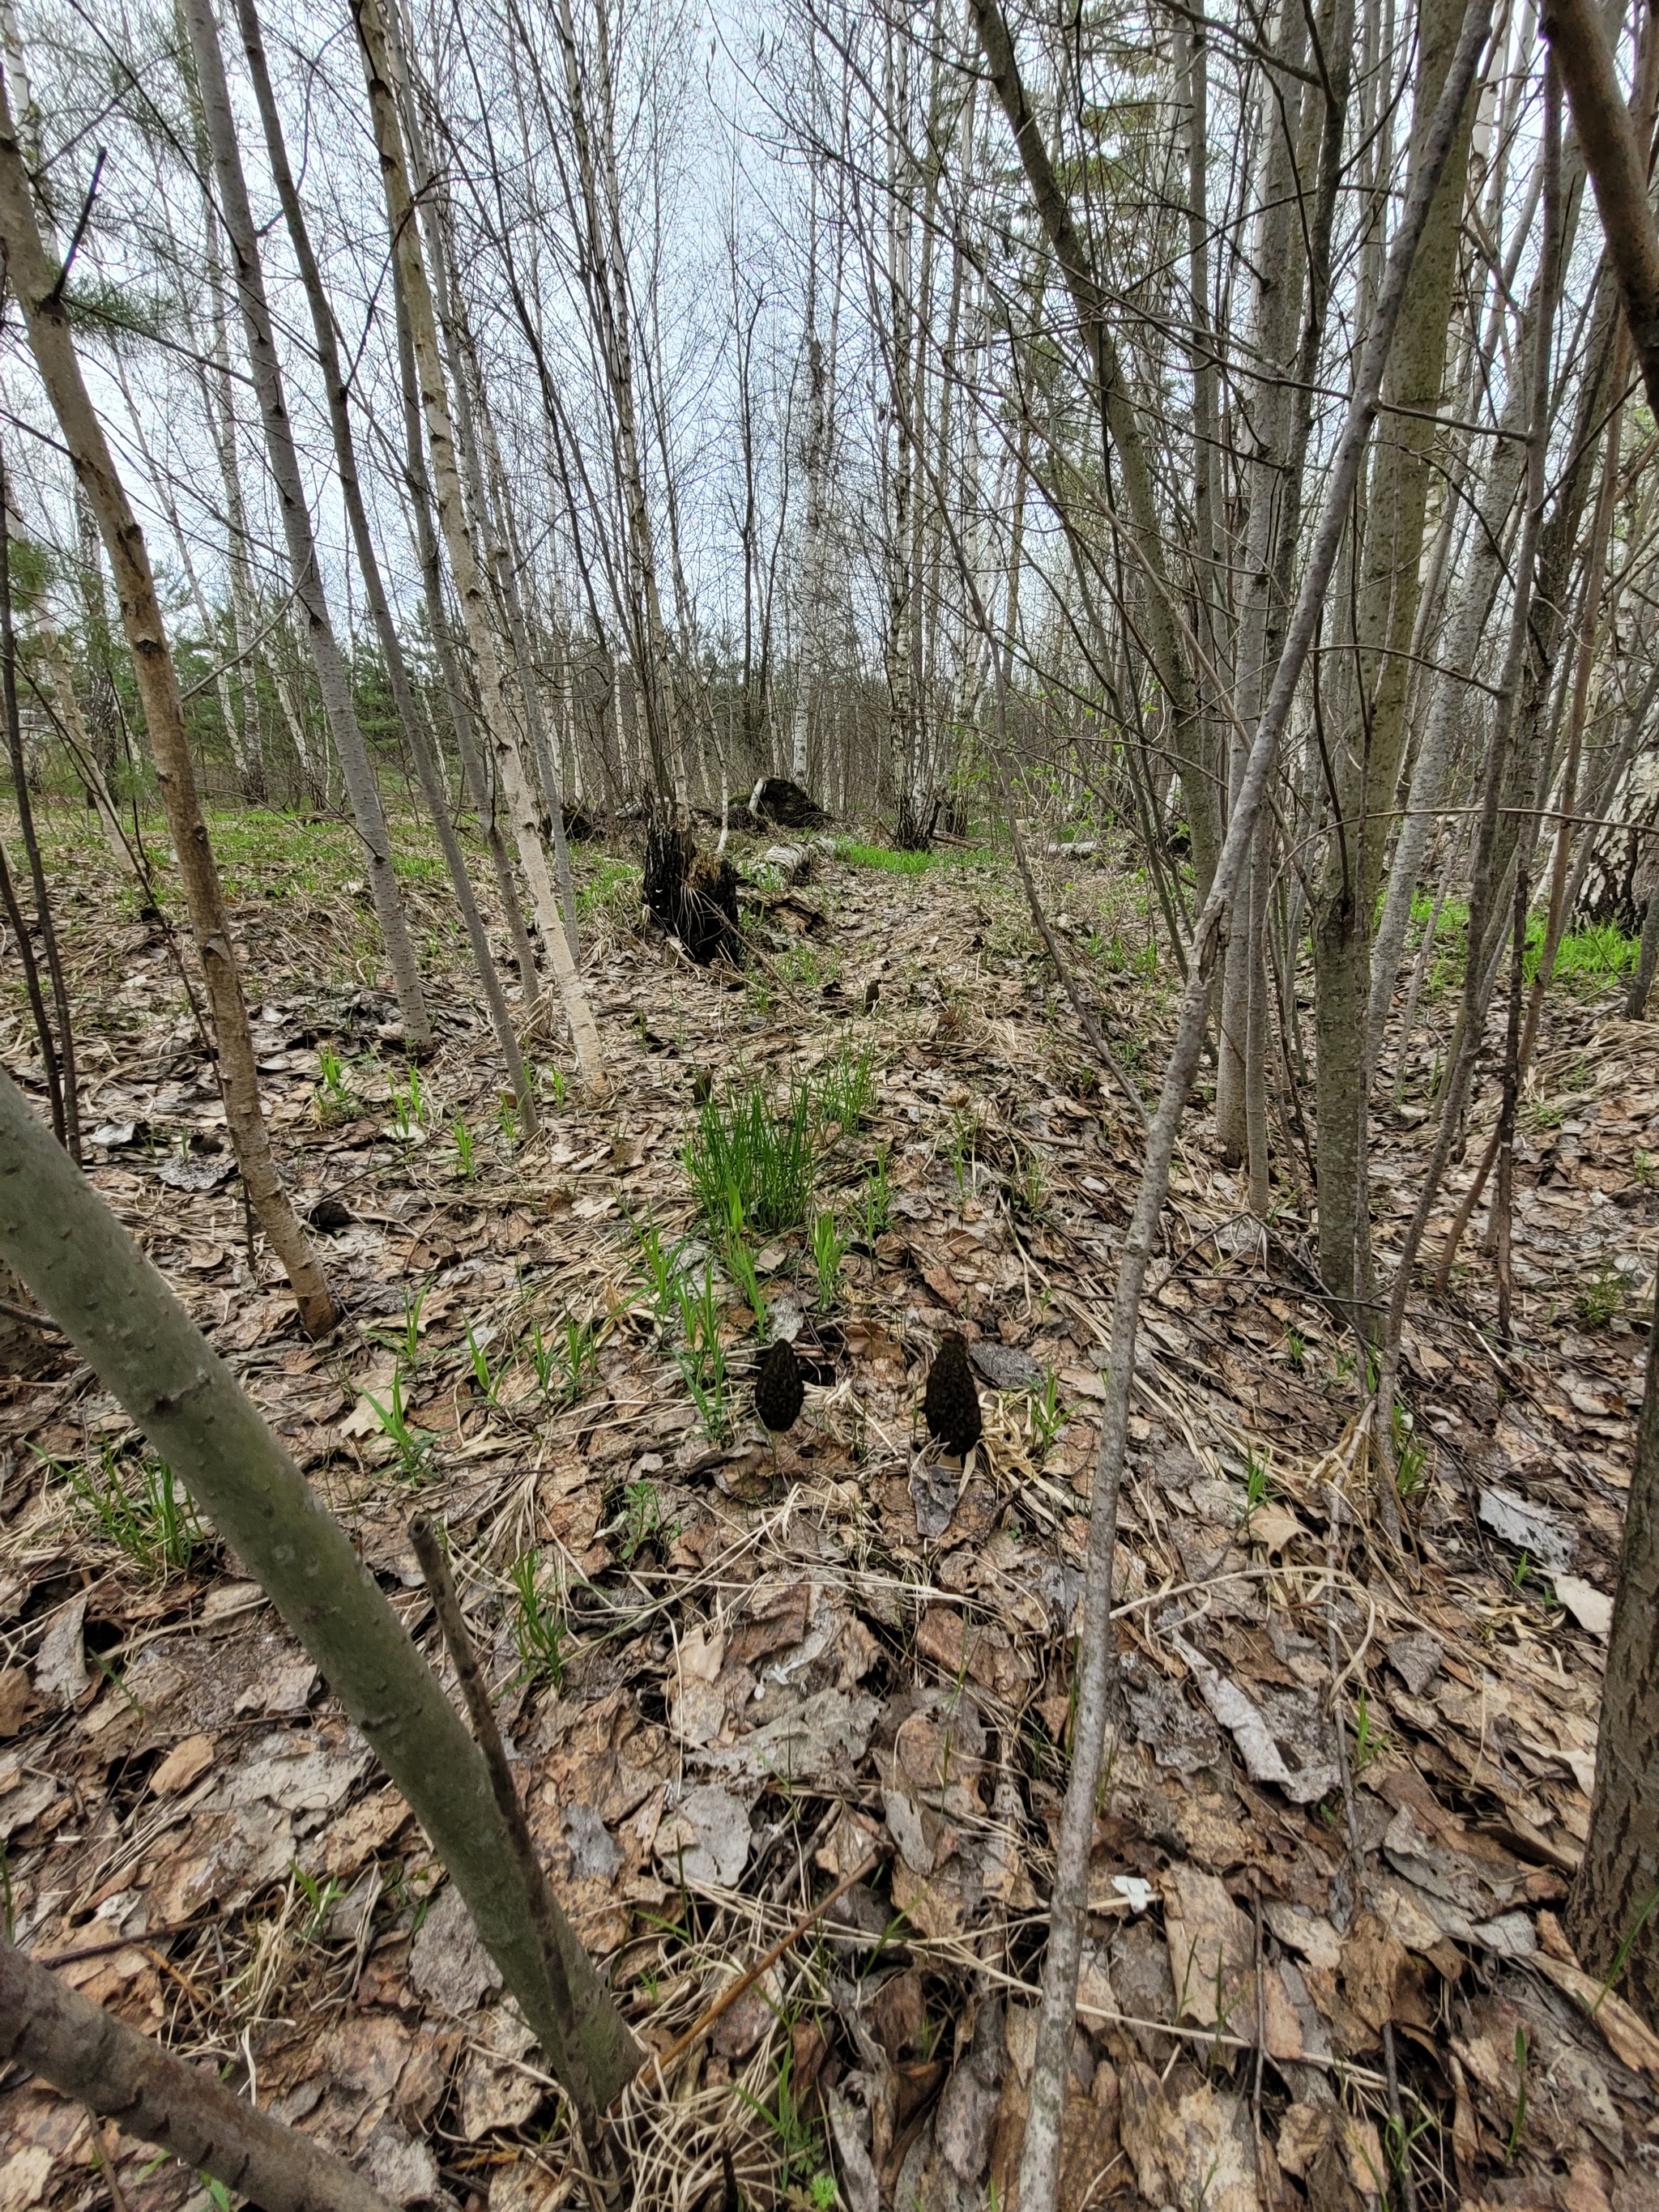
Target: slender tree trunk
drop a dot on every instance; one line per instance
(1489, 874)
(1266, 410)
(1368, 749)
(333, 678)
(475, 772)
(1039, 2173)
(57, 692)
(1120, 420)
(34, 282)
(1618, 164)
(87, 1273)
(95, 2059)
(66, 1097)
(1614, 1892)
(469, 579)
(403, 699)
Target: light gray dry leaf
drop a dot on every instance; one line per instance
(822, 1740)
(706, 1837)
(904, 1825)
(201, 1171)
(402, 2168)
(60, 1665)
(448, 1962)
(1548, 1538)
(1261, 1730)
(1309, 1933)
(493, 2095)
(934, 1492)
(1511, 1935)
(295, 1771)
(1590, 1608)
(591, 1847)
(1179, 1736)
(348, 1915)
(1004, 1366)
(851, 2130)
(1416, 1659)
(286, 1690)
(967, 2109)
(26, 1803)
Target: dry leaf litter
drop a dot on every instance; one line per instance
(729, 1687)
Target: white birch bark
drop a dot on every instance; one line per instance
(468, 578)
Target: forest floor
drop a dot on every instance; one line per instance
(730, 1684)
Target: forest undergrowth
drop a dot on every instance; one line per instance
(734, 1678)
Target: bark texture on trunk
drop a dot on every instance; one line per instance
(1618, 167)
(469, 576)
(34, 282)
(1618, 1883)
(1367, 758)
(89, 2055)
(333, 679)
(403, 698)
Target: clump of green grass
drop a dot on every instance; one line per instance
(892, 862)
(752, 1166)
(613, 888)
(829, 1250)
(140, 1509)
(844, 1089)
(538, 1629)
(884, 857)
(1585, 958)
(566, 1362)
(1602, 1298)
(413, 1445)
(700, 1356)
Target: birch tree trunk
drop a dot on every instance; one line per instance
(810, 615)
(34, 282)
(402, 700)
(469, 578)
(333, 679)
(475, 771)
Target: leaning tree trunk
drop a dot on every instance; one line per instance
(90, 2056)
(1614, 1892)
(452, 516)
(35, 283)
(333, 679)
(1365, 769)
(126, 1323)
